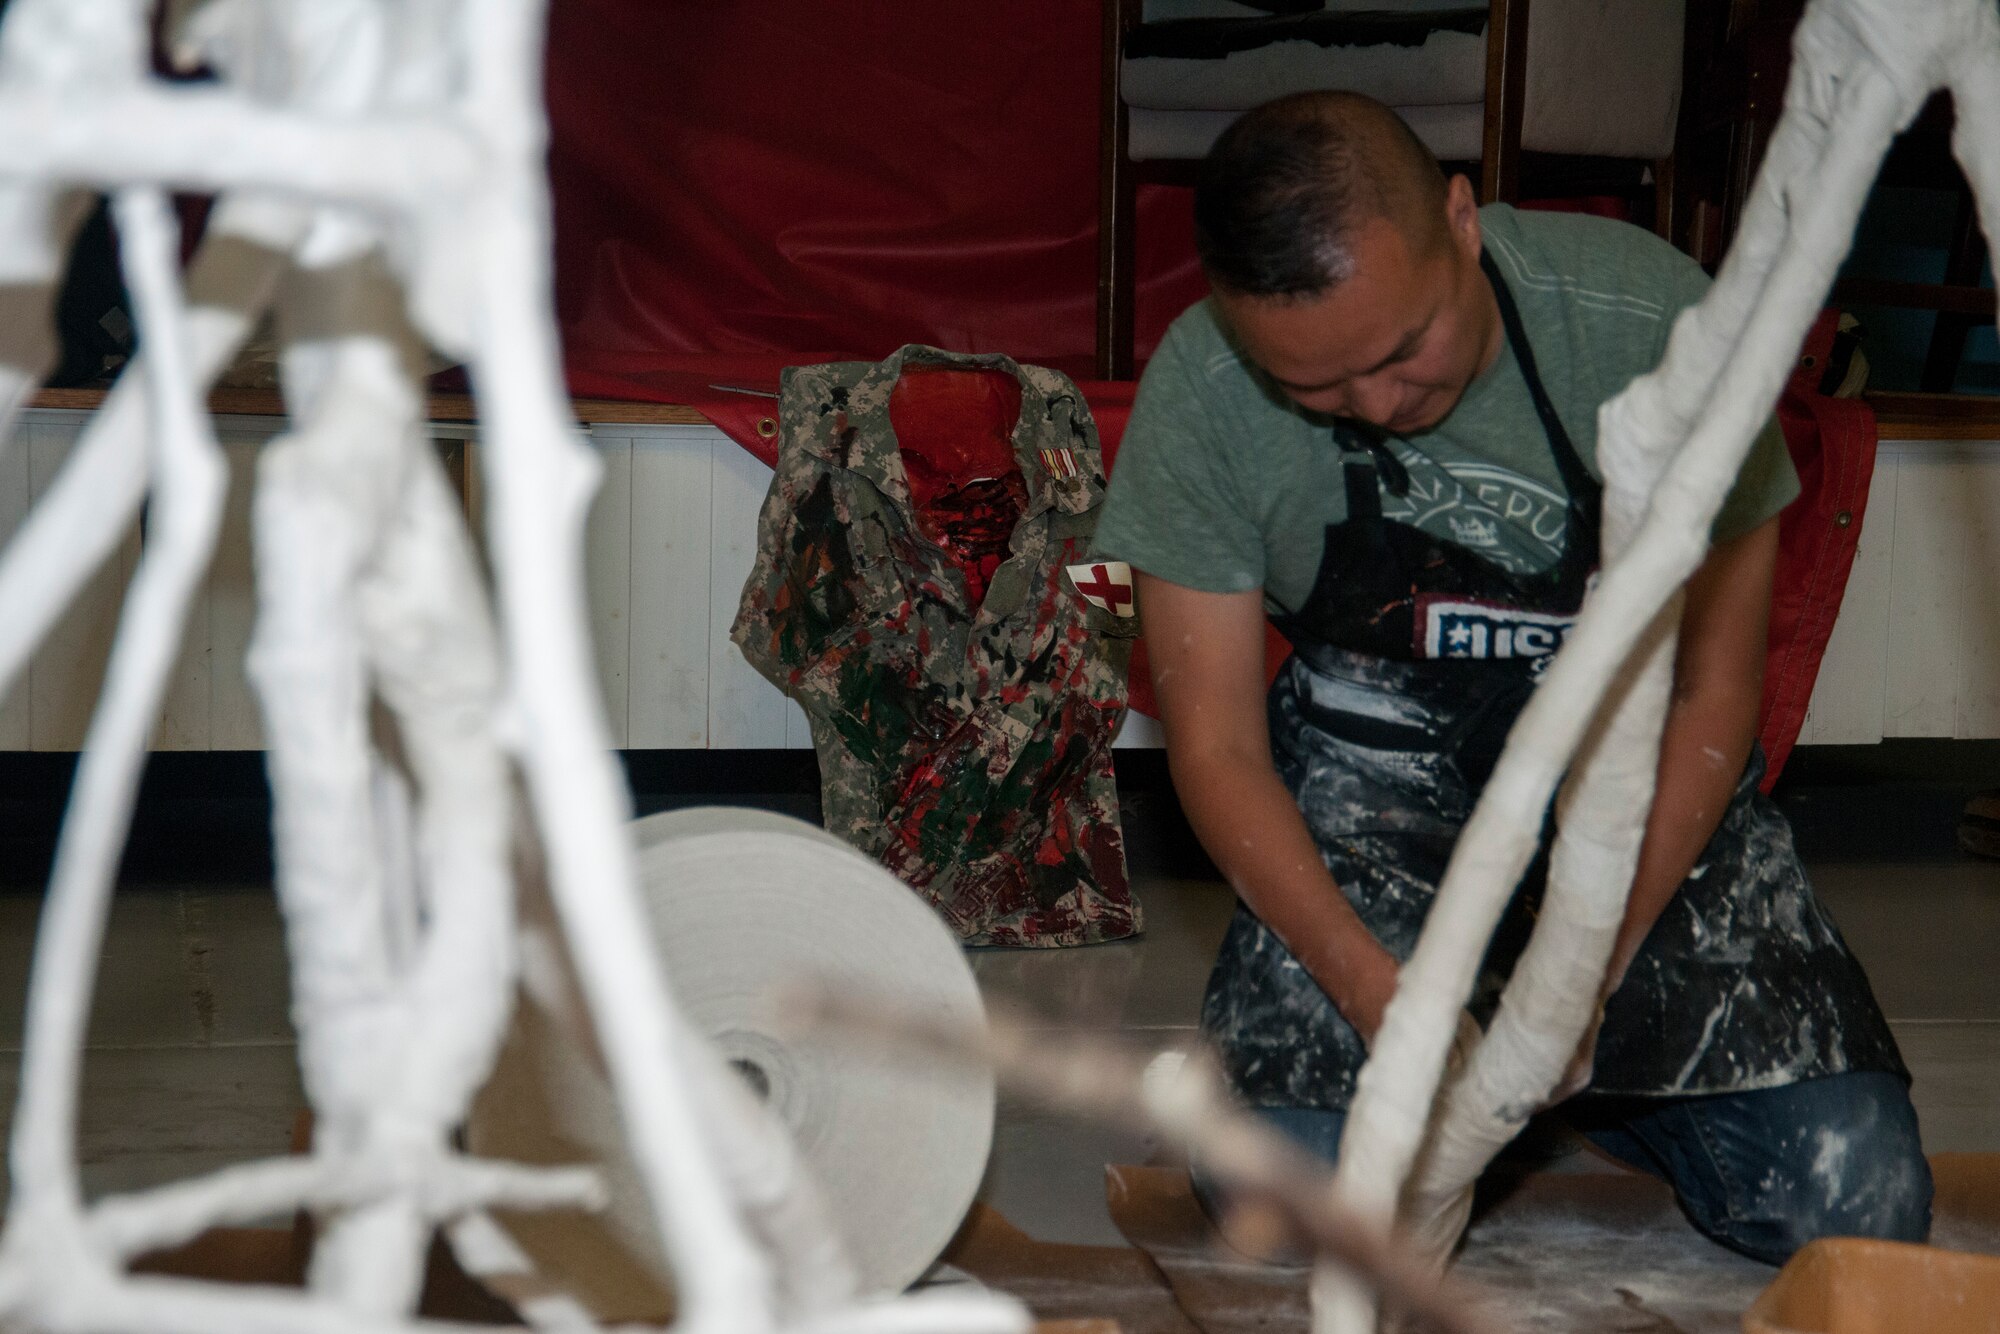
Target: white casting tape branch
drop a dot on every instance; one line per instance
(188, 480)
(1558, 982)
(77, 523)
(1861, 71)
(350, 132)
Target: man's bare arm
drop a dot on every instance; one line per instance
(1207, 651)
(1711, 723)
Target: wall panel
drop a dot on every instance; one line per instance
(668, 671)
(67, 672)
(1926, 585)
(1976, 511)
(1847, 698)
(607, 573)
(16, 722)
(234, 722)
(744, 710)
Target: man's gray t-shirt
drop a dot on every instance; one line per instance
(1223, 484)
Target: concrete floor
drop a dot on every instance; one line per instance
(191, 1059)
(1928, 934)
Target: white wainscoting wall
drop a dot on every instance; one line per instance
(671, 539)
(1916, 651)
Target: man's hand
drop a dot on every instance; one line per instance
(1581, 1066)
(1366, 986)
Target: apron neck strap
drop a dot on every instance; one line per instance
(1364, 495)
(1575, 476)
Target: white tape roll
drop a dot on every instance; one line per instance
(747, 902)
(744, 903)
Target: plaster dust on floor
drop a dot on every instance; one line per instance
(1574, 1247)
(169, 1093)
(1596, 1253)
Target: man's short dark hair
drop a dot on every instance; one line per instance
(1281, 194)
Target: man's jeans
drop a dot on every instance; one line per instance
(1763, 1173)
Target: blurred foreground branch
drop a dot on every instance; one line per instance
(1276, 1190)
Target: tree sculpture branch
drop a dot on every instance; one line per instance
(1671, 446)
(1277, 1191)
(381, 166)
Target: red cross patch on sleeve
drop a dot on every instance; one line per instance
(1105, 584)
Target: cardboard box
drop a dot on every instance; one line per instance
(1845, 1285)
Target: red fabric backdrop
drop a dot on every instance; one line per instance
(825, 180)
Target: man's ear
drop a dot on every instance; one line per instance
(1461, 213)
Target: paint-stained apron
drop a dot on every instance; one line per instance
(1414, 655)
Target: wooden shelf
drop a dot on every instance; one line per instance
(1978, 301)
(1902, 416)
(442, 407)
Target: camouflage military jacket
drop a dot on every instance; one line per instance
(965, 744)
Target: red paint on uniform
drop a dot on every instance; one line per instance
(955, 431)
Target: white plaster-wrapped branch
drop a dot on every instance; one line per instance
(385, 159)
(1558, 982)
(77, 523)
(485, 1251)
(200, 140)
(45, 1226)
(445, 1186)
(539, 482)
(1862, 69)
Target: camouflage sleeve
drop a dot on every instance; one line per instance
(791, 604)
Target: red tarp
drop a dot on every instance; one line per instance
(1832, 443)
(808, 178)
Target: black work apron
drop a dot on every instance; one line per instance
(1413, 656)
